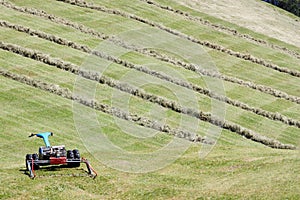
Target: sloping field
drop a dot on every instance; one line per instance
(255, 15)
(165, 101)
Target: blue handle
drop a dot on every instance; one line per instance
(45, 136)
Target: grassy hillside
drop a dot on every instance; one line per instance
(165, 101)
(257, 16)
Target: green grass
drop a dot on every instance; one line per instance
(242, 30)
(236, 168)
(203, 32)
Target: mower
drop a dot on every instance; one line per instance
(55, 155)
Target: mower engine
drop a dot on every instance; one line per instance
(54, 151)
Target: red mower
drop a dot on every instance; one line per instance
(55, 155)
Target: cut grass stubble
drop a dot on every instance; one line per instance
(236, 168)
(116, 112)
(61, 41)
(223, 29)
(207, 117)
(208, 44)
(154, 54)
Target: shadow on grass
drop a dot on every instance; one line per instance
(55, 168)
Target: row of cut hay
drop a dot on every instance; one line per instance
(223, 29)
(116, 112)
(207, 117)
(61, 41)
(83, 29)
(214, 74)
(43, 35)
(68, 23)
(53, 18)
(247, 57)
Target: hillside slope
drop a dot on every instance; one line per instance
(167, 102)
(254, 15)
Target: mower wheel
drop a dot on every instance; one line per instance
(28, 157)
(70, 154)
(76, 154)
(35, 156)
(75, 157)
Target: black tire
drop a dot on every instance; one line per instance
(76, 157)
(70, 154)
(76, 154)
(73, 156)
(28, 158)
(35, 156)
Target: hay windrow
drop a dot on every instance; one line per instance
(116, 112)
(204, 72)
(207, 117)
(247, 57)
(53, 18)
(61, 41)
(223, 29)
(152, 53)
(142, 121)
